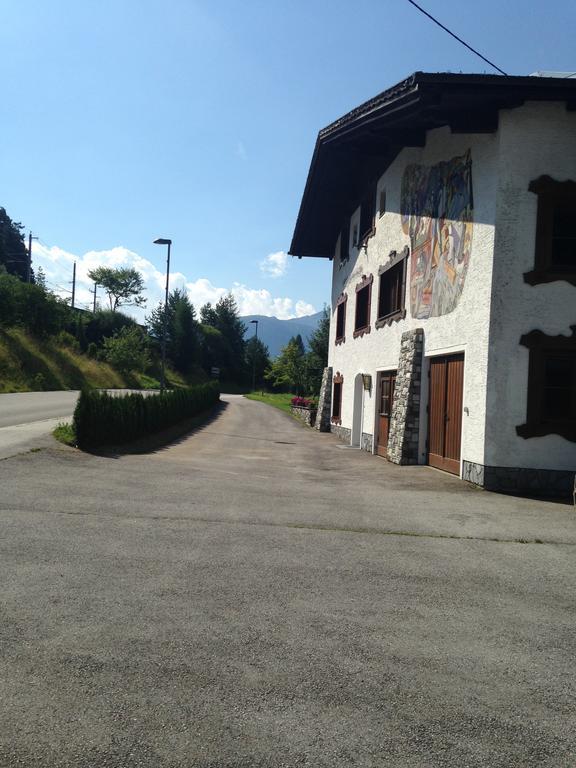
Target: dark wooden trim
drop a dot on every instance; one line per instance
(364, 284)
(540, 276)
(536, 425)
(361, 332)
(365, 281)
(395, 257)
(546, 185)
(393, 317)
(341, 301)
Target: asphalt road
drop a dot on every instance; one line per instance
(258, 595)
(26, 407)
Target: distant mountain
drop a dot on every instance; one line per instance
(277, 333)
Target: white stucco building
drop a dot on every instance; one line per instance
(448, 207)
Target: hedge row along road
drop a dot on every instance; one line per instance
(28, 418)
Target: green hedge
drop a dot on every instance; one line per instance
(103, 419)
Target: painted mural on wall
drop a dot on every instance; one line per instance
(437, 213)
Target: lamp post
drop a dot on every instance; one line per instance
(254, 322)
(164, 241)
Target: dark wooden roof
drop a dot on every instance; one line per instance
(358, 147)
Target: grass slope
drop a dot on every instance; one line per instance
(28, 364)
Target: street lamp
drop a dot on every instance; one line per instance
(164, 241)
(254, 322)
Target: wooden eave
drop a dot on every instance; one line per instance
(356, 149)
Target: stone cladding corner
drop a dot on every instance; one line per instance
(405, 422)
(324, 401)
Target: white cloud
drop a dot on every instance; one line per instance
(275, 264)
(58, 264)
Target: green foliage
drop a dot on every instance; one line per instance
(30, 306)
(280, 400)
(317, 357)
(127, 350)
(65, 339)
(228, 352)
(288, 370)
(64, 433)
(123, 285)
(92, 351)
(257, 360)
(182, 333)
(13, 251)
(104, 324)
(103, 419)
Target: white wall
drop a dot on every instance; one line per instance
(466, 328)
(534, 140)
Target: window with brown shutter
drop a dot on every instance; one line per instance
(392, 288)
(341, 318)
(551, 386)
(363, 301)
(555, 249)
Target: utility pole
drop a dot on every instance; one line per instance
(94, 292)
(29, 266)
(73, 285)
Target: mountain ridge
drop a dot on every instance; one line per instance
(277, 333)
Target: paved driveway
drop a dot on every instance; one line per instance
(258, 595)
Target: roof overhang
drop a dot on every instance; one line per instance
(356, 149)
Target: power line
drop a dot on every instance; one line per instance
(456, 37)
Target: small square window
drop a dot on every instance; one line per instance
(382, 202)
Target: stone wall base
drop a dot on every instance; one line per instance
(540, 482)
(343, 433)
(367, 442)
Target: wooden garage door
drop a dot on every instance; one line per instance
(445, 412)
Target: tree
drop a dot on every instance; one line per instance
(40, 278)
(182, 334)
(257, 360)
(317, 357)
(127, 350)
(225, 318)
(13, 251)
(288, 369)
(123, 285)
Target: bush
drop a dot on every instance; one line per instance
(92, 351)
(105, 324)
(303, 402)
(103, 419)
(127, 350)
(65, 339)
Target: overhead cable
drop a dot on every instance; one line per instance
(456, 37)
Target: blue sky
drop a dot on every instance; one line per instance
(124, 120)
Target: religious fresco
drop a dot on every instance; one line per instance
(437, 213)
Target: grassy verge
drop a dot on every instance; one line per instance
(64, 432)
(29, 364)
(275, 399)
